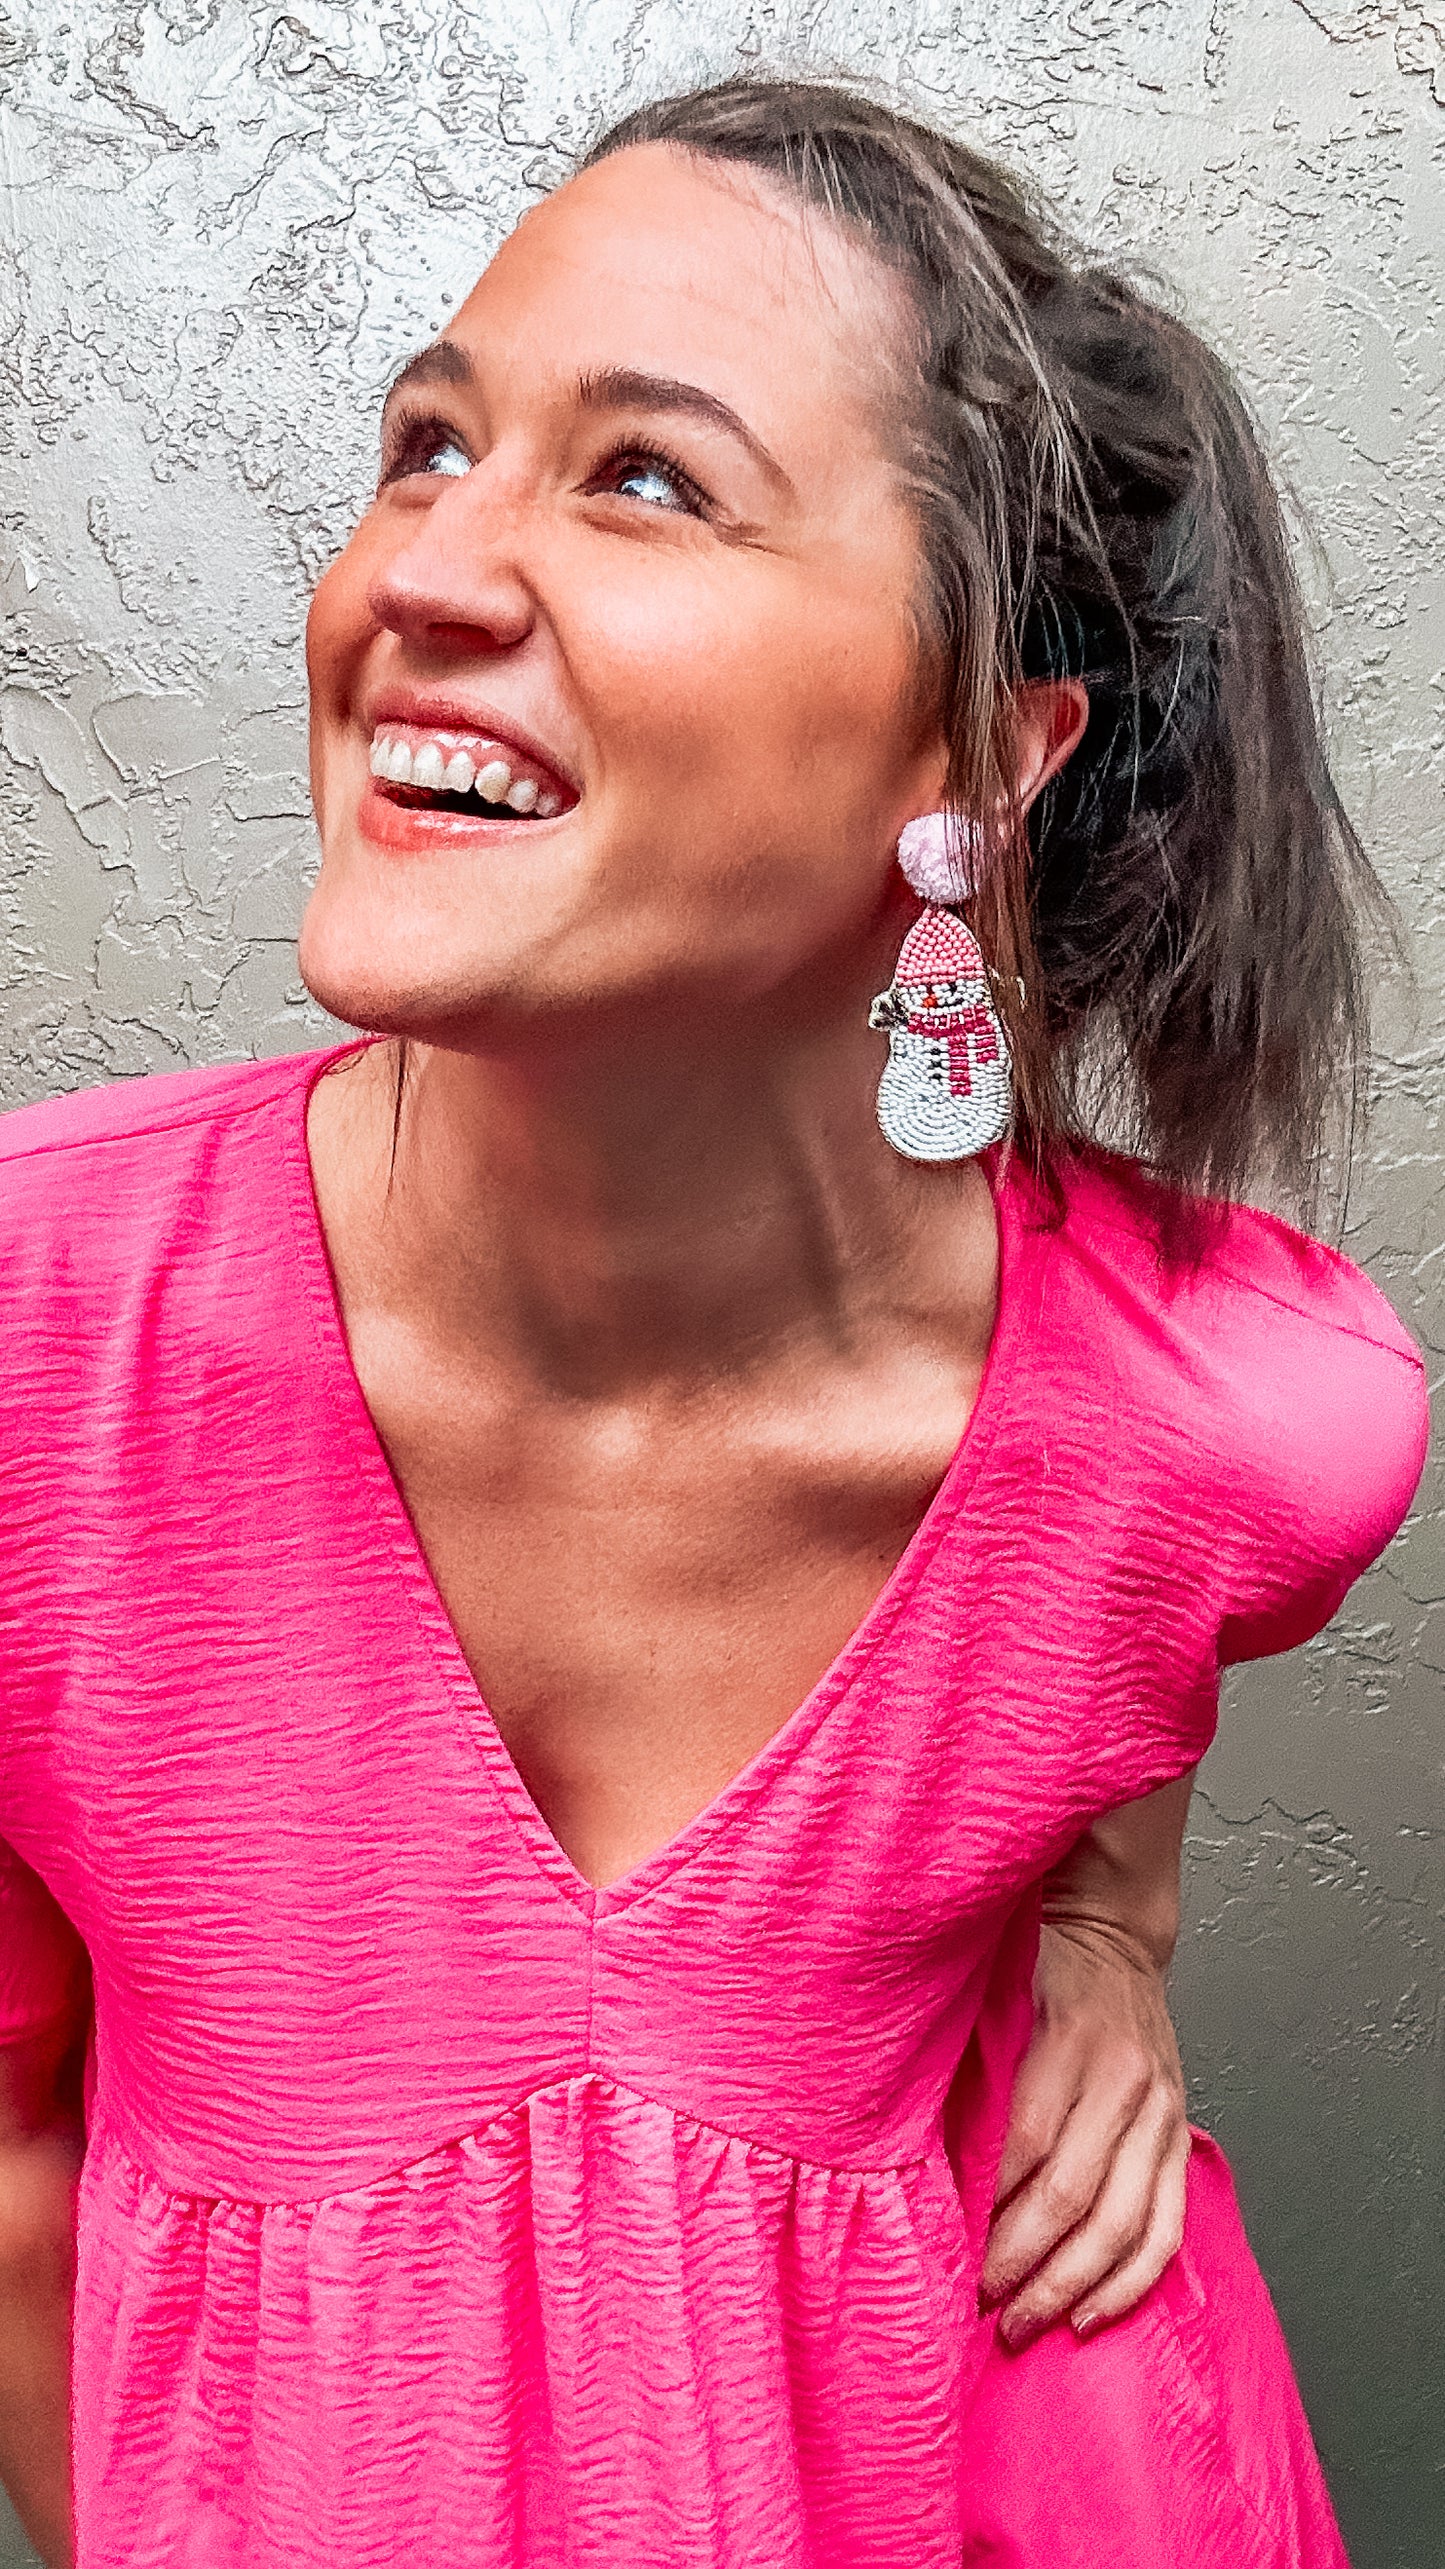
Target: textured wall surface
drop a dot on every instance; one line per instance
(224, 225)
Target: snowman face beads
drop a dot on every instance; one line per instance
(947, 1090)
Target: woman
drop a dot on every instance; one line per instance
(572, 1591)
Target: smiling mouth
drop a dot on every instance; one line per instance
(420, 771)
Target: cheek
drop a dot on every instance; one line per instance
(336, 621)
(773, 685)
(338, 627)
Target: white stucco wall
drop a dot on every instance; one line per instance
(223, 226)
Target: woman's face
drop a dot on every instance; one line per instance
(629, 623)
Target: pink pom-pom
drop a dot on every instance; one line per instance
(936, 854)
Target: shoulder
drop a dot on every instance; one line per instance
(100, 1187)
(133, 1117)
(1262, 1380)
(1249, 1279)
(143, 1230)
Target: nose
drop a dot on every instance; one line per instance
(455, 584)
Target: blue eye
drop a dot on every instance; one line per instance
(421, 447)
(650, 483)
(447, 459)
(654, 480)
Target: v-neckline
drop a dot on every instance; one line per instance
(750, 1784)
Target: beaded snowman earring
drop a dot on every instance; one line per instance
(947, 1090)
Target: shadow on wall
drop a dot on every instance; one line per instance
(1307, 1992)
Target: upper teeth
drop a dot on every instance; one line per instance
(438, 769)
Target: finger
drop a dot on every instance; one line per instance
(1111, 2231)
(1063, 2190)
(1124, 2289)
(1045, 2093)
(1067, 2074)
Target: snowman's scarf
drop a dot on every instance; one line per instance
(970, 1033)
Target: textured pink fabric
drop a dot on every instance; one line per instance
(440, 2210)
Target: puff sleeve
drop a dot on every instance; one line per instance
(1337, 1437)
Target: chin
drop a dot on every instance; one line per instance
(391, 977)
(412, 949)
(377, 999)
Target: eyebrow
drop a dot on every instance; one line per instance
(624, 388)
(442, 363)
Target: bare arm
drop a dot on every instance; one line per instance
(41, 2144)
(1090, 2199)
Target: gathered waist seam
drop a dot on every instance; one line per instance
(106, 2134)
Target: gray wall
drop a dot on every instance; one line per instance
(224, 226)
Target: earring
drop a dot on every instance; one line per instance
(947, 1088)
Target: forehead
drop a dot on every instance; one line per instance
(668, 263)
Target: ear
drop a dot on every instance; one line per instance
(1049, 719)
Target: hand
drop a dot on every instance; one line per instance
(1089, 2206)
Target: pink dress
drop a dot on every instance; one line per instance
(441, 2212)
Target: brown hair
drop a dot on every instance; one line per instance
(1175, 927)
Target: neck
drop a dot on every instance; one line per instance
(663, 1204)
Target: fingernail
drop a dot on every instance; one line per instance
(1084, 2323)
(1016, 2333)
